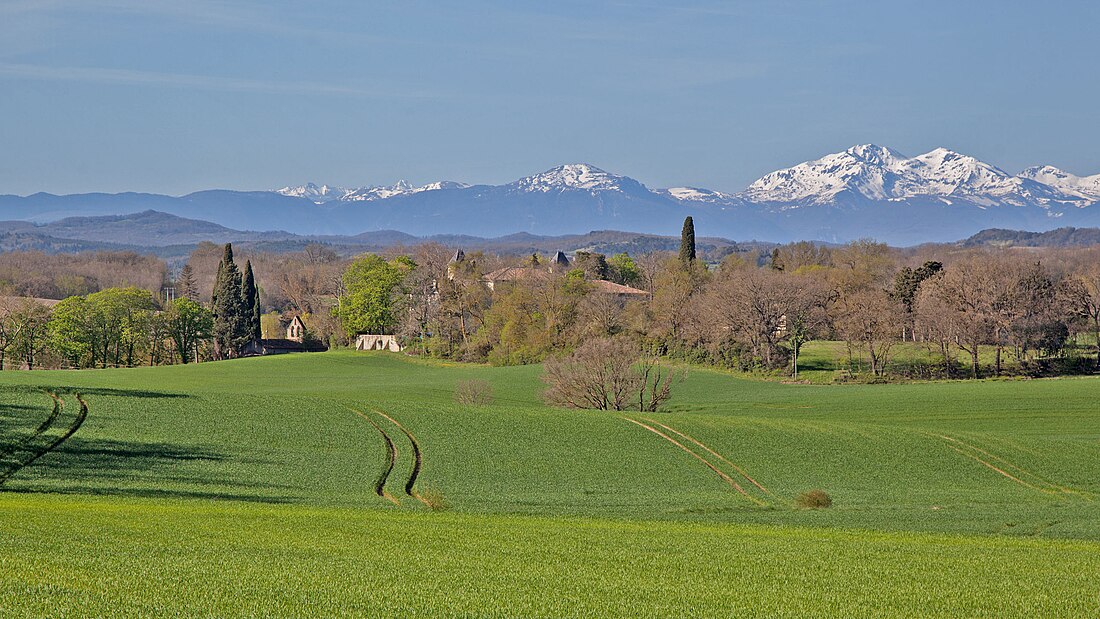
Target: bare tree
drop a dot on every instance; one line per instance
(871, 320)
(751, 304)
(607, 374)
(806, 314)
(965, 292)
(1082, 291)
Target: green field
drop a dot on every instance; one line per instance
(248, 488)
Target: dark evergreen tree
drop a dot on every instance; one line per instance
(250, 298)
(232, 326)
(777, 262)
(595, 265)
(217, 278)
(188, 287)
(687, 242)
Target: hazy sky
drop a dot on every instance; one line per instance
(173, 96)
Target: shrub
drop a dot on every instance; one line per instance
(608, 374)
(473, 393)
(814, 499)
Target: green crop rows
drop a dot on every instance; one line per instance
(249, 487)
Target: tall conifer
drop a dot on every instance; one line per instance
(687, 242)
(188, 288)
(232, 327)
(250, 299)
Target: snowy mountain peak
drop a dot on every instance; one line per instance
(582, 176)
(1087, 187)
(312, 191)
(873, 153)
(870, 172)
(695, 194)
(867, 169)
(323, 194)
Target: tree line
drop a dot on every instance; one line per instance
(128, 326)
(976, 312)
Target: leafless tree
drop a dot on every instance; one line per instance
(750, 304)
(1082, 291)
(607, 374)
(871, 320)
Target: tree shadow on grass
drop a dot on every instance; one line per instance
(137, 469)
(16, 417)
(92, 391)
(817, 365)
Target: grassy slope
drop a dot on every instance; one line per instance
(282, 431)
(218, 559)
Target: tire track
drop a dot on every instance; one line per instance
(54, 444)
(739, 470)
(976, 453)
(391, 459)
(418, 458)
(721, 474)
(24, 444)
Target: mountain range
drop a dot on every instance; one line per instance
(864, 191)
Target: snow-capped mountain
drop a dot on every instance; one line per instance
(864, 191)
(875, 173)
(324, 194)
(318, 194)
(1085, 187)
(576, 176)
(697, 194)
(869, 171)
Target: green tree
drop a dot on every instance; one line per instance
(232, 320)
(31, 320)
(69, 333)
(371, 283)
(189, 324)
(906, 285)
(687, 241)
(118, 322)
(250, 297)
(7, 329)
(624, 270)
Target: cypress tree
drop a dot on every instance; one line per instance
(250, 299)
(214, 293)
(231, 324)
(687, 242)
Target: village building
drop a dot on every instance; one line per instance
(295, 341)
(559, 264)
(366, 341)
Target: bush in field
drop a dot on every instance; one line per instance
(608, 374)
(473, 393)
(814, 499)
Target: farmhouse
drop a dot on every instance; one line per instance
(295, 341)
(559, 264)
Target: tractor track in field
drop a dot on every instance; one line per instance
(391, 460)
(418, 457)
(710, 465)
(714, 453)
(23, 444)
(35, 454)
(1037, 482)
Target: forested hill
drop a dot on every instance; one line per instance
(1062, 237)
(170, 236)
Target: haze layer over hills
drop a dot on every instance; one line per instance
(864, 191)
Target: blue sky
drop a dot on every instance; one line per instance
(173, 96)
